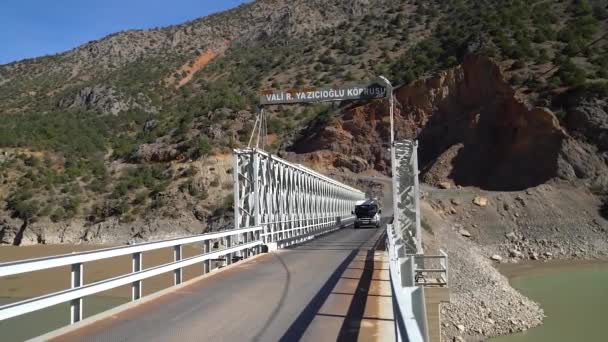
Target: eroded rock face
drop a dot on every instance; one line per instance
(156, 152)
(589, 119)
(8, 232)
(473, 130)
(106, 100)
(361, 131)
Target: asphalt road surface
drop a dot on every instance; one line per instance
(275, 297)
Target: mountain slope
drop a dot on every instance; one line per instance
(106, 131)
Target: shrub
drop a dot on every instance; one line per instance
(571, 75)
(519, 64)
(228, 201)
(26, 210)
(600, 12)
(140, 197)
(120, 190)
(203, 148)
(71, 204)
(516, 79)
(58, 214)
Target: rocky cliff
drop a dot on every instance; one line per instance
(473, 129)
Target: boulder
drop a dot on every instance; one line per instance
(8, 232)
(514, 253)
(354, 164)
(480, 201)
(534, 256)
(496, 257)
(464, 232)
(445, 185)
(156, 152)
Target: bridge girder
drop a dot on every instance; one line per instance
(288, 200)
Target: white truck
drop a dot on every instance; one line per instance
(367, 213)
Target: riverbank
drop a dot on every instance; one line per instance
(482, 230)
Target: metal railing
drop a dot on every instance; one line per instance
(326, 225)
(431, 270)
(245, 241)
(408, 299)
(410, 274)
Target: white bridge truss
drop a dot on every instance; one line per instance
(291, 202)
(406, 194)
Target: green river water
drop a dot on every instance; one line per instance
(574, 300)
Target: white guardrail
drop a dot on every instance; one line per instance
(302, 233)
(408, 299)
(410, 273)
(247, 242)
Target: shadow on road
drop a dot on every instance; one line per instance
(277, 308)
(350, 328)
(299, 326)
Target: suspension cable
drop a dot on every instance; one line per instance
(255, 125)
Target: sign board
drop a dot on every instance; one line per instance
(369, 91)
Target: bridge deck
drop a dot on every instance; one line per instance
(336, 287)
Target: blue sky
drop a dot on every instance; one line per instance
(32, 28)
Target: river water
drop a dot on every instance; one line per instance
(574, 296)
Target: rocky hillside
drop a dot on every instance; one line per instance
(109, 140)
(474, 129)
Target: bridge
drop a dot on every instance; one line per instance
(292, 268)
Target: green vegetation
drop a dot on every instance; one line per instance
(71, 133)
(153, 178)
(525, 31)
(204, 116)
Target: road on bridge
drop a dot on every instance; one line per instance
(335, 287)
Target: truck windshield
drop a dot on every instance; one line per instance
(366, 210)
